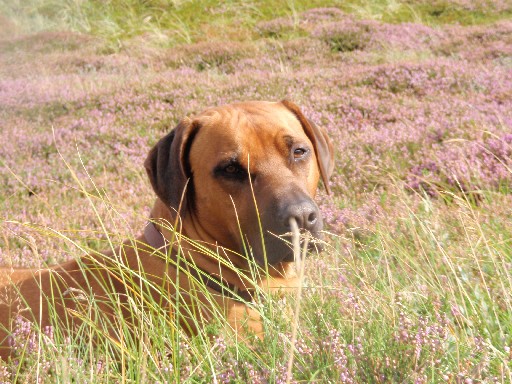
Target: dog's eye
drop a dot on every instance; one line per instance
(231, 169)
(299, 153)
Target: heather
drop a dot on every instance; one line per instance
(414, 285)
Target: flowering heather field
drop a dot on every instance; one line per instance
(416, 283)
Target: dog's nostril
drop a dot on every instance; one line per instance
(312, 218)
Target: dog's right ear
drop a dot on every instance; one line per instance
(324, 149)
(168, 166)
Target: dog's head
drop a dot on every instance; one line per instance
(232, 168)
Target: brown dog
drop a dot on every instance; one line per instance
(209, 173)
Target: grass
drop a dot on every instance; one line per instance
(415, 284)
(377, 315)
(167, 23)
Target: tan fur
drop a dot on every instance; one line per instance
(252, 130)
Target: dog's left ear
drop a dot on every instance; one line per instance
(168, 167)
(324, 149)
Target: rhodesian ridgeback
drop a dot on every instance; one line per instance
(231, 178)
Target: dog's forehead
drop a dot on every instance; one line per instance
(253, 129)
(239, 122)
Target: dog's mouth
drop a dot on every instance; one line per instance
(280, 248)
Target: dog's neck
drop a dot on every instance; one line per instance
(165, 220)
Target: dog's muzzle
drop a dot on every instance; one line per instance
(306, 214)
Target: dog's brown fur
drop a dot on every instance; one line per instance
(210, 169)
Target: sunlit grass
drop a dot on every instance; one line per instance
(167, 23)
(426, 298)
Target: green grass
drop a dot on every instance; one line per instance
(167, 23)
(426, 298)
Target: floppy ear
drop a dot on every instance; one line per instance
(323, 146)
(168, 166)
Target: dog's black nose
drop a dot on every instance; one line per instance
(305, 213)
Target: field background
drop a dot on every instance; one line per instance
(416, 284)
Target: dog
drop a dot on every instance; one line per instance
(231, 178)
